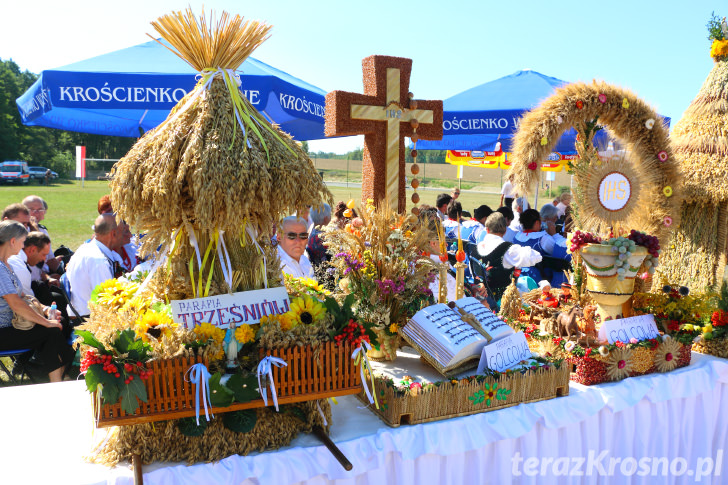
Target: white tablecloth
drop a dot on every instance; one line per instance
(676, 423)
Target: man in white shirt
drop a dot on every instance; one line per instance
(93, 262)
(519, 205)
(37, 247)
(508, 193)
(292, 241)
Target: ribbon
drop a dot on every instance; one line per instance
(193, 241)
(321, 412)
(222, 252)
(200, 376)
(159, 260)
(357, 356)
(253, 234)
(266, 367)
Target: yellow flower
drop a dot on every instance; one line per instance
(544, 141)
(393, 328)
(305, 310)
(244, 334)
(153, 325)
(137, 305)
(207, 331)
(708, 328)
(114, 293)
(625, 103)
(719, 48)
(667, 191)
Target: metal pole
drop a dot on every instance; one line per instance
(347, 171)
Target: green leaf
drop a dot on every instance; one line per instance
(89, 339)
(240, 421)
(96, 375)
(162, 308)
(139, 351)
(124, 340)
(188, 426)
(220, 396)
(244, 388)
(129, 394)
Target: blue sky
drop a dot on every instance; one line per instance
(658, 49)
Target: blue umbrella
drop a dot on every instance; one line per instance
(132, 90)
(480, 117)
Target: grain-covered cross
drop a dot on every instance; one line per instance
(385, 115)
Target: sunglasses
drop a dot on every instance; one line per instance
(300, 235)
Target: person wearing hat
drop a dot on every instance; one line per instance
(474, 227)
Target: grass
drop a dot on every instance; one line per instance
(72, 209)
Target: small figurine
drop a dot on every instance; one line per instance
(566, 323)
(547, 299)
(565, 295)
(232, 349)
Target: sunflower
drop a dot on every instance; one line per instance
(137, 304)
(114, 293)
(244, 334)
(153, 325)
(304, 310)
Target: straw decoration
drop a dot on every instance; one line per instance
(225, 43)
(629, 118)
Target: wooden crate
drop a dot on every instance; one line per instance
(310, 374)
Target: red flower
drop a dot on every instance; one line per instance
(719, 319)
(673, 326)
(619, 344)
(532, 166)
(654, 342)
(530, 328)
(580, 104)
(557, 340)
(588, 351)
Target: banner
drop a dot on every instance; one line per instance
(242, 308)
(80, 162)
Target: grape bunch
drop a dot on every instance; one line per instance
(653, 248)
(624, 248)
(580, 239)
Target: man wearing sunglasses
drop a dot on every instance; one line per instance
(292, 240)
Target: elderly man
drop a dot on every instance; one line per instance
(94, 262)
(292, 240)
(38, 209)
(19, 213)
(501, 257)
(315, 248)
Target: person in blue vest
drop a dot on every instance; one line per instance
(532, 236)
(472, 229)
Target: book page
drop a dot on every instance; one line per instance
(440, 331)
(493, 326)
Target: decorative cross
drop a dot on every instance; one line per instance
(385, 114)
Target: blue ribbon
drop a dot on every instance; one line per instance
(200, 376)
(265, 367)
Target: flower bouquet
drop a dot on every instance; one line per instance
(698, 320)
(378, 258)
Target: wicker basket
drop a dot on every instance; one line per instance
(311, 373)
(453, 399)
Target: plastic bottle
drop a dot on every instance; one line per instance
(53, 312)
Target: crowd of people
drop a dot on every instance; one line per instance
(51, 289)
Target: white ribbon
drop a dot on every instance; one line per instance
(159, 260)
(227, 268)
(253, 235)
(265, 367)
(321, 412)
(362, 349)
